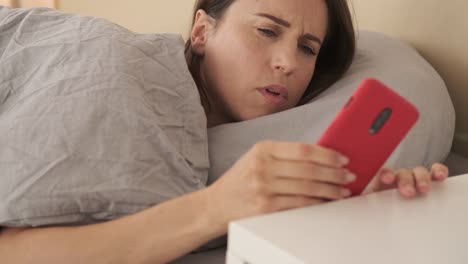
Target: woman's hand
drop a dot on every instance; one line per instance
(409, 181)
(274, 176)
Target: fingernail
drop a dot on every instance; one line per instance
(345, 192)
(409, 190)
(440, 175)
(424, 186)
(388, 177)
(350, 177)
(343, 160)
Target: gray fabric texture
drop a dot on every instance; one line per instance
(96, 122)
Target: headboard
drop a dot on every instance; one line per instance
(439, 31)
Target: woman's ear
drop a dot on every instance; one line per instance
(201, 27)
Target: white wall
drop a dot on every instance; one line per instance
(143, 16)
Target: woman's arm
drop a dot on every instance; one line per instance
(157, 235)
(270, 177)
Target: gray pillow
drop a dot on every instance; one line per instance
(387, 59)
(97, 122)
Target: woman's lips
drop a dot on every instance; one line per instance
(274, 94)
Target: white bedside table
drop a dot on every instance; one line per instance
(377, 228)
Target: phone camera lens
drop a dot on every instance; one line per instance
(380, 121)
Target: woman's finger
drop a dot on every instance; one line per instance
(311, 171)
(384, 180)
(288, 186)
(422, 178)
(439, 172)
(302, 152)
(387, 177)
(406, 183)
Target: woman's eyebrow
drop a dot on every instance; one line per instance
(286, 24)
(275, 19)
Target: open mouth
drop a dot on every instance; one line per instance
(274, 94)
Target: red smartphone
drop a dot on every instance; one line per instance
(368, 129)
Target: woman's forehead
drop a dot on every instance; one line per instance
(311, 15)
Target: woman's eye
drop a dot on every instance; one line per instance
(308, 50)
(267, 32)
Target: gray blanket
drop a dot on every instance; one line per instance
(96, 122)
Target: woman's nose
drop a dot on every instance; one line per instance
(284, 60)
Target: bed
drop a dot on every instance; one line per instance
(431, 141)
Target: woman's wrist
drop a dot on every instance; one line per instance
(213, 216)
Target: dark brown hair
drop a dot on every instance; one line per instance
(334, 59)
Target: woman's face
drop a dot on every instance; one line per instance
(260, 57)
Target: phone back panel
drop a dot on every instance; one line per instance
(350, 132)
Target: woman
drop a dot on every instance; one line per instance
(249, 59)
